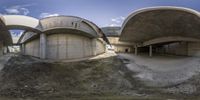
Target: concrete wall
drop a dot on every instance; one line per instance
(32, 48)
(194, 49)
(70, 46)
(181, 48)
(115, 40)
(178, 48)
(66, 47)
(100, 47)
(122, 48)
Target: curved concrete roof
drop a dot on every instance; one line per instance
(70, 22)
(111, 31)
(21, 22)
(67, 23)
(158, 22)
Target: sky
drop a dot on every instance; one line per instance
(101, 12)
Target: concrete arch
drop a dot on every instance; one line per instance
(154, 22)
(21, 22)
(70, 22)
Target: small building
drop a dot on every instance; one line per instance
(113, 34)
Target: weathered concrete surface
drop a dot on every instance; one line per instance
(43, 46)
(150, 23)
(194, 48)
(162, 71)
(65, 46)
(180, 48)
(32, 48)
(21, 22)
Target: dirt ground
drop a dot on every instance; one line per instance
(28, 78)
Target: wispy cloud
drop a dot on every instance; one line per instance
(18, 9)
(44, 15)
(116, 21)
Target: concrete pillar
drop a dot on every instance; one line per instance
(43, 43)
(22, 48)
(136, 50)
(1, 48)
(150, 50)
(94, 47)
(5, 49)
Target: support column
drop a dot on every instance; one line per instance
(43, 45)
(22, 48)
(1, 48)
(94, 47)
(136, 50)
(150, 50)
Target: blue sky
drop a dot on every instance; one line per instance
(101, 12)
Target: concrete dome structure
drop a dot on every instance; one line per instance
(64, 38)
(162, 26)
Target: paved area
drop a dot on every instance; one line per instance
(162, 70)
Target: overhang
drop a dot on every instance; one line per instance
(71, 23)
(157, 22)
(21, 22)
(68, 22)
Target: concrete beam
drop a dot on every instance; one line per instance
(43, 43)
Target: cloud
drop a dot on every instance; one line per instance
(18, 9)
(16, 33)
(116, 21)
(44, 15)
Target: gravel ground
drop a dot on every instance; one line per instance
(172, 74)
(105, 77)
